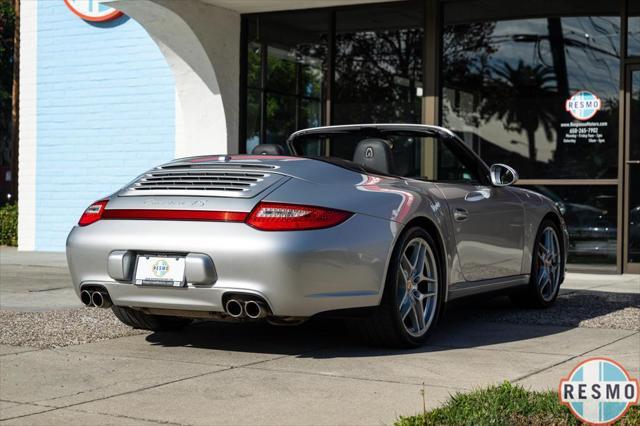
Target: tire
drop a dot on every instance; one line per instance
(546, 269)
(138, 319)
(387, 326)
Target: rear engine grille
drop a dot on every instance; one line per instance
(202, 181)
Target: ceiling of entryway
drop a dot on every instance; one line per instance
(252, 6)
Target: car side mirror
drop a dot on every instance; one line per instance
(502, 175)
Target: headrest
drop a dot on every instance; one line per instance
(268, 149)
(374, 154)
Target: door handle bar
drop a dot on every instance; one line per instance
(477, 195)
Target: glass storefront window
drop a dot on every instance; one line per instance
(378, 64)
(540, 94)
(633, 28)
(310, 112)
(253, 118)
(590, 212)
(254, 70)
(286, 73)
(633, 213)
(282, 72)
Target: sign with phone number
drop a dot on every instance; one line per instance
(591, 132)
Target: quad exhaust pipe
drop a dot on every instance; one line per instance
(101, 299)
(253, 309)
(85, 297)
(98, 298)
(234, 308)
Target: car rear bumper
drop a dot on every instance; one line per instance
(298, 273)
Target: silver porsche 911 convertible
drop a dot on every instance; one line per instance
(381, 223)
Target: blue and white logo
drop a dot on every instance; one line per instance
(160, 268)
(583, 105)
(92, 10)
(598, 391)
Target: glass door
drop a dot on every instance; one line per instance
(632, 172)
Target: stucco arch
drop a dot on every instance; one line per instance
(201, 45)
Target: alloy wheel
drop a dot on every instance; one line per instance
(417, 287)
(548, 258)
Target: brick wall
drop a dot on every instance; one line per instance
(105, 113)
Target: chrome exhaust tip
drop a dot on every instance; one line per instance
(255, 309)
(234, 308)
(101, 300)
(85, 298)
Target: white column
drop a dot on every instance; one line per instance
(201, 44)
(27, 152)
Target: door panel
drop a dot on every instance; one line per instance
(489, 228)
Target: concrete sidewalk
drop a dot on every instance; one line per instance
(35, 281)
(215, 373)
(227, 374)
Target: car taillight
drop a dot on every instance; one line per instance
(93, 213)
(294, 217)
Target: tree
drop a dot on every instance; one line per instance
(522, 98)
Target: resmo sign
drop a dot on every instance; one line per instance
(92, 10)
(598, 391)
(583, 105)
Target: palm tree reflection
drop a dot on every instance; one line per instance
(522, 98)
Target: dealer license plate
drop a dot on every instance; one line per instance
(160, 271)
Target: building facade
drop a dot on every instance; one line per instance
(549, 87)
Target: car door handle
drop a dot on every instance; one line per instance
(477, 195)
(460, 215)
(633, 162)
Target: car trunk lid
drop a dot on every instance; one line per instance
(225, 183)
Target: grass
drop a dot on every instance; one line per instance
(505, 404)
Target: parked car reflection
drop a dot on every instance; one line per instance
(591, 220)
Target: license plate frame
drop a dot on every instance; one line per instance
(159, 270)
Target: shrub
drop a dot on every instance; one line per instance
(9, 225)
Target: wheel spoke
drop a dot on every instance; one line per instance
(418, 312)
(405, 267)
(405, 307)
(415, 257)
(419, 270)
(543, 249)
(551, 277)
(542, 274)
(544, 285)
